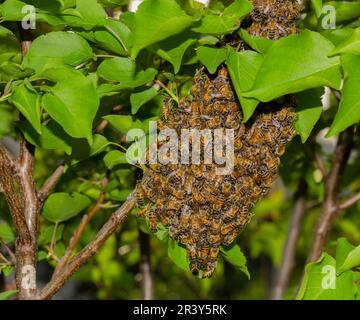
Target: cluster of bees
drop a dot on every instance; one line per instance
(201, 209)
(274, 19)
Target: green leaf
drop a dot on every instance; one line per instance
(6, 233)
(295, 64)
(99, 144)
(27, 101)
(49, 50)
(9, 45)
(115, 37)
(260, 44)
(343, 248)
(226, 22)
(349, 108)
(156, 20)
(243, 68)
(60, 207)
(47, 234)
(174, 48)
(234, 255)
(91, 14)
(351, 259)
(178, 255)
(125, 71)
(308, 111)
(211, 58)
(350, 45)
(11, 10)
(73, 101)
(7, 295)
(345, 10)
(124, 123)
(318, 5)
(321, 283)
(138, 99)
(114, 158)
(53, 137)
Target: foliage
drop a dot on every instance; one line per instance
(85, 68)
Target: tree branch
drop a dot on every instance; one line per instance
(349, 202)
(332, 181)
(147, 282)
(288, 256)
(80, 229)
(51, 182)
(117, 218)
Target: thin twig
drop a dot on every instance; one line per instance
(80, 229)
(349, 202)
(147, 282)
(332, 181)
(51, 182)
(283, 274)
(117, 219)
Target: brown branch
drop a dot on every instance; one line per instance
(80, 229)
(283, 274)
(117, 219)
(332, 181)
(147, 283)
(349, 202)
(51, 182)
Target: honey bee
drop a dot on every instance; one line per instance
(237, 143)
(256, 192)
(226, 188)
(142, 212)
(214, 253)
(185, 217)
(198, 197)
(279, 150)
(232, 121)
(230, 237)
(173, 204)
(215, 226)
(227, 228)
(269, 138)
(152, 220)
(215, 239)
(255, 136)
(273, 164)
(245, 163)
(165, 218)
(209, 188)
(203, 217)
(204, 253)
(194, 267)
(218, 204)
(264, 171)
(213, 123)
(230, 214)
(209, 269)
(196, 170)
(282, 114)
(187, 239)
(155, 167)
(287, 134)
(176, 193)
(224, 87)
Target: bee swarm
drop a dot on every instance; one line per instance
(200, 209)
